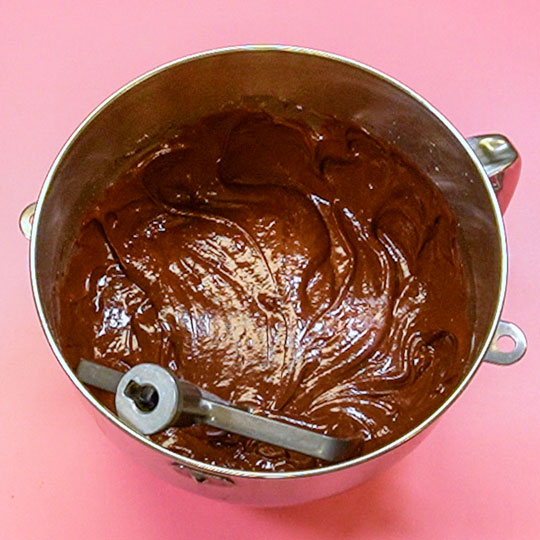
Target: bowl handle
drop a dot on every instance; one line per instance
(501, 162)
(25, 220)
(496, 355)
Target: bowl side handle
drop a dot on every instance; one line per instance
(501, 162)
(25, 220)
(497, 354)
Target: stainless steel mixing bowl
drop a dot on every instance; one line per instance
(471, 173)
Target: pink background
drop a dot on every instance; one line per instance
(476, 476)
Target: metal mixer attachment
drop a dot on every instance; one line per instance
(150, 399)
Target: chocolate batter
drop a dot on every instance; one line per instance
(311, 273)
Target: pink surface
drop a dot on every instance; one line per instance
(476, 476)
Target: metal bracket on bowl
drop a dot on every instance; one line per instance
(26, 219)
(501, 162)
(496, 355)
(203, 477)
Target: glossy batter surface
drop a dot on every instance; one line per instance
(308, 272)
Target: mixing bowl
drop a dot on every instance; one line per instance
(476, 176)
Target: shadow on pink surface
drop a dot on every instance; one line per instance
(372, 508)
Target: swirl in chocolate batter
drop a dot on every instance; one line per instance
(310, 273)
